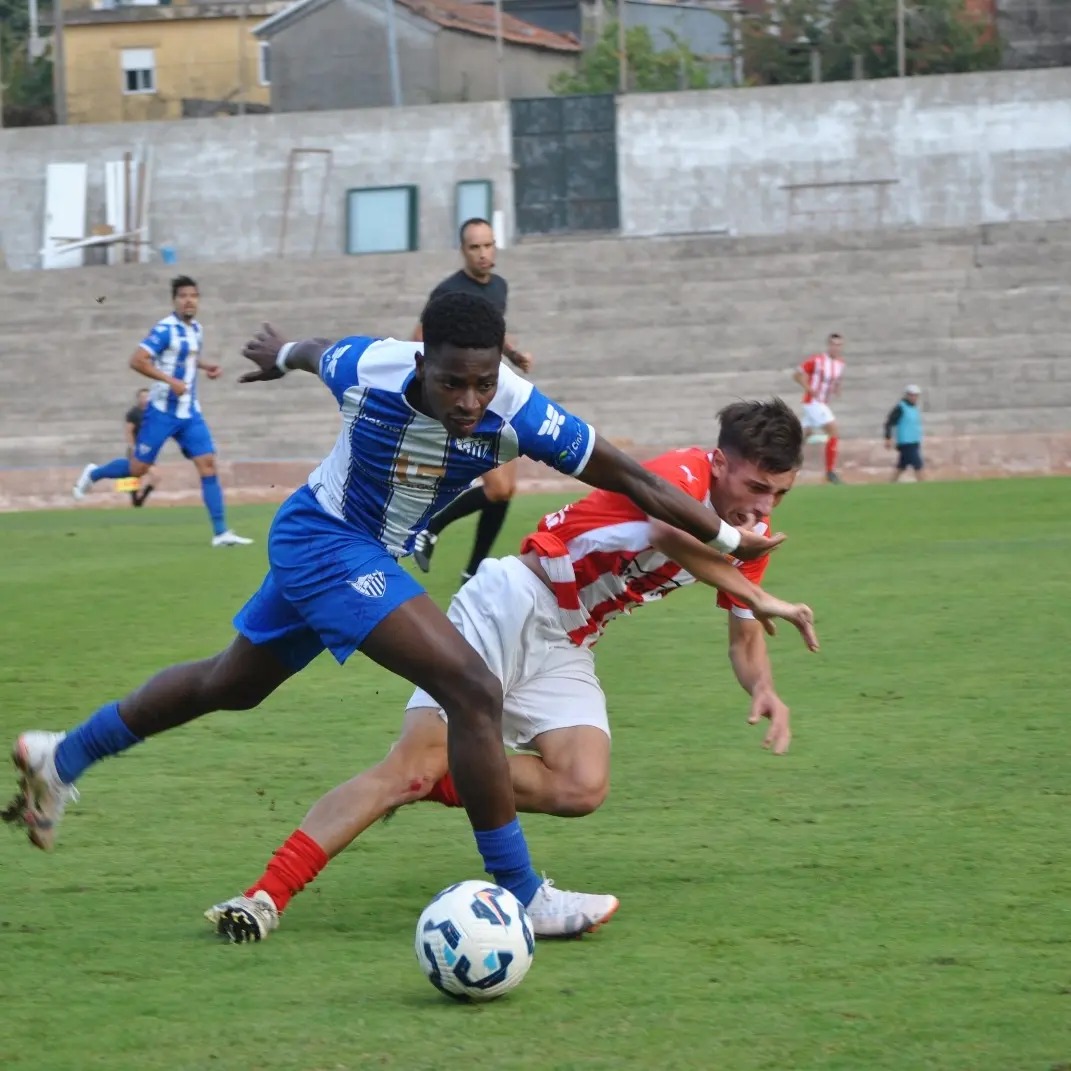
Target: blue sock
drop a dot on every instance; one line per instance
(104, 734)
(505, 856)
(212, 493)
(118, 469)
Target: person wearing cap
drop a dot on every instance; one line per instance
(906, 418)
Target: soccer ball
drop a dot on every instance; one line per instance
(474, 941)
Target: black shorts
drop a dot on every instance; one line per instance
(910, 456)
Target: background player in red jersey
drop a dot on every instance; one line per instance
(820, 377)
(534, 619)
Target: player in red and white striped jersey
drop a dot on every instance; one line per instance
(820, 377)
(535, 617)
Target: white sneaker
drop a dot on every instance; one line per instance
(229, 539)
(557, 913)
(84, 484)
(42, 797)
(244, 918)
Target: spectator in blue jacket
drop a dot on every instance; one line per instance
(905, 423)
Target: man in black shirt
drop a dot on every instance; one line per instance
(133, 422)
(491, 496)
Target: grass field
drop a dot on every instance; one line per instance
(893, 894)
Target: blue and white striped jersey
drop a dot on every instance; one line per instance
(392, 468)
(175, 346)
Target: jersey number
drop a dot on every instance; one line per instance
(408, 471)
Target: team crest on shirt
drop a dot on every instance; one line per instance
(371, 585)
(478, 448)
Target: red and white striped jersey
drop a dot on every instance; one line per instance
(598, 556)
(822, 372)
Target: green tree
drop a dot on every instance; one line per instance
(27, 81)
(649, 70)
(940, 37)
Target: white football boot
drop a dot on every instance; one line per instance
(244, 918)
(229, 539)
(84, 484)
(42, 797)
(557, 913)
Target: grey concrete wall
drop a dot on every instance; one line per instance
(468, 69)
(943, 151)
(947, 151)
(345, 43)
(218, 184)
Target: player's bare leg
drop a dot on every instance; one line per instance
(416, 763)
(407, 774)
(238, 678)
(570, 777)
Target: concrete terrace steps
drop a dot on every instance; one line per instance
(1006, 242)
(646, 337)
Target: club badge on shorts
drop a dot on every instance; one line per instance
(371, 585)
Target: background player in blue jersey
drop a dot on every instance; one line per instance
(417, 428)
(171, 355)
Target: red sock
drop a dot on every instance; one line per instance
(292, 867)
(444, 792)
(831, 454)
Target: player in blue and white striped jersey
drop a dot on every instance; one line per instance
(171, 355)
(417, 426)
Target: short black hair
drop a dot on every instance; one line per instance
(140, 391)
(179, 282)
(835, 334)
(768, 434)
(466, 321)
(469, 223)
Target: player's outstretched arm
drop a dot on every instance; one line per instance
(613, 470)
(708, 566)
(751, 664)
(274, 356)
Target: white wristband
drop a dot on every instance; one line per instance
(727, 539)
(280, 360)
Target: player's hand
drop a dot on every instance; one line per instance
(178, 387)
(888, 444)
(768, 705)
(523, 361)
(753, 545)
(262, 349)
(769, 607)
(212, 371)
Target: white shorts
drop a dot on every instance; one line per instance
(511, 618)
(817, 415)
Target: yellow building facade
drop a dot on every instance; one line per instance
(150, 61)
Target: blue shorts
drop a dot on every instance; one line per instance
(328, 586)
(910, 456)
(191, 433)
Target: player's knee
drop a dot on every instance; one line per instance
(582, 795)
(206, 466)
(138, 468)
(413, 768)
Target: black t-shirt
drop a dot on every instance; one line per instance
(495, 290)
(133, 416)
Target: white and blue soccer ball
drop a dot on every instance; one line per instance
(474, 941)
